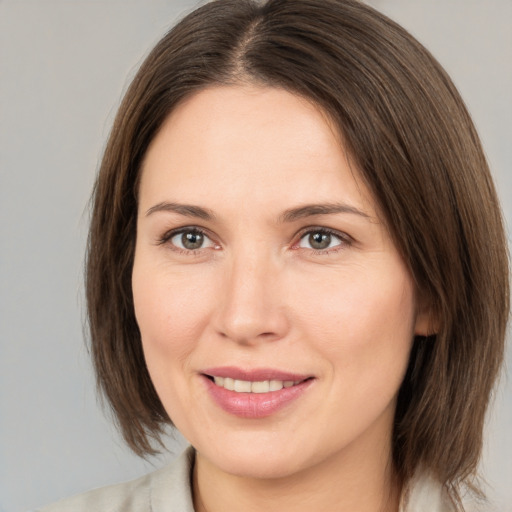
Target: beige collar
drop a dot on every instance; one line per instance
(425, 494)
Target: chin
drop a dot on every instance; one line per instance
(262, 456)
(258, 466)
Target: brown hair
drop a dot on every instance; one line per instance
(409, 133)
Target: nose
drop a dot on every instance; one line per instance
(252, 305)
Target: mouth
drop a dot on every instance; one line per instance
(253, 394)
(248, 386)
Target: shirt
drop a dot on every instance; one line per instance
(169, 490)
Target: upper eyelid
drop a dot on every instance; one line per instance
(176, 231)
(312, 229)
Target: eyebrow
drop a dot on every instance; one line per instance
(290, 215)
(186, 210)
(310, 210)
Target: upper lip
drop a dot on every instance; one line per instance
(254, 374)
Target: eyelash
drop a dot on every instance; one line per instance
(169, 235)
(345, 240)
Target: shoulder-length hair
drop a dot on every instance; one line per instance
(406, 128)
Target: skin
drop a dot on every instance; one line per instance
(257, 294)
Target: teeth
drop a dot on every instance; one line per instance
(260, 387)
(246, 386)
(242, 386)
(276, 385)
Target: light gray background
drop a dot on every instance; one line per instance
(63, 66)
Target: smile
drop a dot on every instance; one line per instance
(255, 393)
(247, 386)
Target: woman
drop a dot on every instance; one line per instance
(296, 257)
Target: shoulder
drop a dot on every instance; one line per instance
(165, 490)
(425, 494)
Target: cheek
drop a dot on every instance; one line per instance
(170, 310)
(362, 323)
(364, 331)
(355, 299)
(170, 313)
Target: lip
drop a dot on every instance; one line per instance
(254, 405)
(255, 374)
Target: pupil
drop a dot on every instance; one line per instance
(320, 240)
(192, 240)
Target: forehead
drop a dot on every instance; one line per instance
(259, 146)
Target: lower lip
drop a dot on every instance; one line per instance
(255, 405)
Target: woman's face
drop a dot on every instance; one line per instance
(261, 264)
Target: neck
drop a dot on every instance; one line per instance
(347, 482)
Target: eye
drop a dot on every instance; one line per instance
(189, 239)
(321, 239)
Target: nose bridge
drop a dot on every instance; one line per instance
(250, 306)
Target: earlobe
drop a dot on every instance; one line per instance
(426, 323)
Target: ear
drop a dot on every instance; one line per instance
(426, 322)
